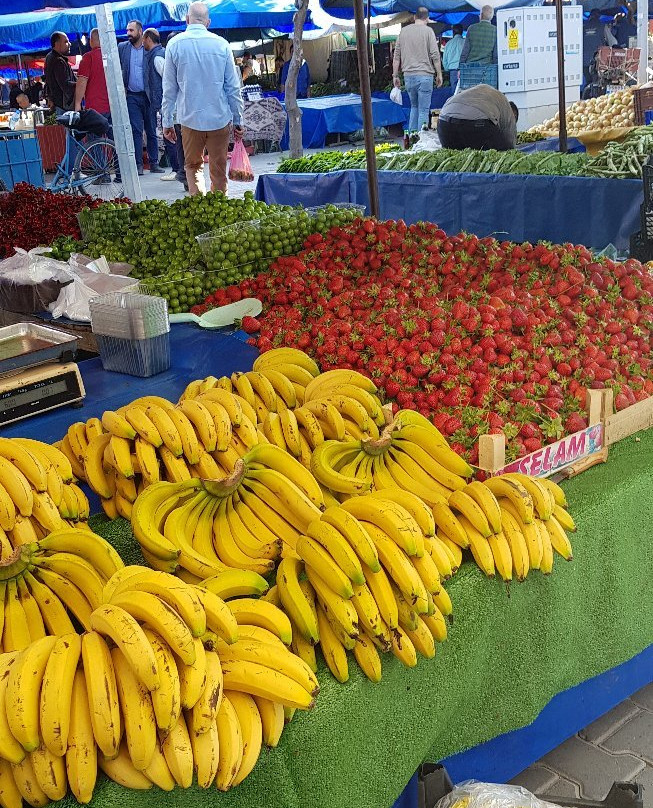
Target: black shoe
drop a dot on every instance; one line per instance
(140, 172)
(157, 170)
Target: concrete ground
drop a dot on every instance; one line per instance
(618, 746)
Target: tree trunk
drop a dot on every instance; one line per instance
(292, 107)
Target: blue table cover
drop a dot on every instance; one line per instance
(341, 113)
(583, 210)
(574, 146)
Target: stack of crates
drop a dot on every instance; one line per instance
(20, 159)
(641, 243)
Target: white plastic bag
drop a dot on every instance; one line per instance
(30, 281)
(473, 794)
(90, 279)
(395, 95)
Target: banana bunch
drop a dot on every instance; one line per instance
(367, 577)
(296, 407)
(201, 528)
(38, 493)
(511, 524)
(151, 440)
(168, 680)
(49, 587)
(410, 454)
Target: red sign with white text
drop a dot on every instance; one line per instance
(559, 455)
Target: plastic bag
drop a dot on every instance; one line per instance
(240, 168)
(473, 794)
(395, 95)
(89, 280)
(30, 281)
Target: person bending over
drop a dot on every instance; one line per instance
(478, 118)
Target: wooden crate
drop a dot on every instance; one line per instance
(615, 426)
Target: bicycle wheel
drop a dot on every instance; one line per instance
(96, 171)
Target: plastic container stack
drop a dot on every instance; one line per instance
(132, 332)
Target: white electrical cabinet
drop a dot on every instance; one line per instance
(528, 59)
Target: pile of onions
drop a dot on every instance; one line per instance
(612, 111)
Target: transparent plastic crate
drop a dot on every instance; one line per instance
(129, 315)
(174, 290)
(136, 357)
(103, 221)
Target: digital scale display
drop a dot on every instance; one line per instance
(39, 389)
(31, 395)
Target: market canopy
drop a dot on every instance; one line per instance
(29, 32)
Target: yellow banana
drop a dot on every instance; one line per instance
(230, 742)
(487, 502)
(318, 558)
(332, 649)
(118, 425)
(559, 540)
(27, 785)
(502, 555)
(121, 770)
(102, 693)
(46, 452)
(399, 567)
(564, 518)
(558, 493)
(518, 545)
(81, 756)
(341, 610)
(542, 498)
(479, 546)
(57, 692)
(166, 428)
(516, 493)
(137, 712)
(272, 720)
(403, 648)
(178, 753)
(50, 772)
(466, 505)
(282, 356)
(294, 600)
(251, 729)
(309, 427)
(16, 634)
(112, 621)
(392, 519)
(143, 425)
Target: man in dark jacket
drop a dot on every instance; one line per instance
(155, 58)
(59, 77)
(133, 63)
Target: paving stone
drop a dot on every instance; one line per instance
(635, 737)
(562, 788)
(609, 723)
(535, 778)
(593, 768)
(644, 697)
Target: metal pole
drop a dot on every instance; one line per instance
(366, 102)
(122, 132)
(642, 41)
(562, 107)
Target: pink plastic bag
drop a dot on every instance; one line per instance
(240, 168)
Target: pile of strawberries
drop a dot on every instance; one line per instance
(478, 335)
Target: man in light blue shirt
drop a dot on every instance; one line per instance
(201, 81)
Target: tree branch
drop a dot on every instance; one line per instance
(292, 107)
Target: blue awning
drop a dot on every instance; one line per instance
(30, 32)
(445, 10)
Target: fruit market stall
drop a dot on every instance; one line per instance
(509, 650)
(231, 465)
(340, 114)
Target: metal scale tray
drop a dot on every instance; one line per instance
(26, 345)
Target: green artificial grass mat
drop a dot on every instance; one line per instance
(509, 652)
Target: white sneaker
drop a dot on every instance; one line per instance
(169, 177)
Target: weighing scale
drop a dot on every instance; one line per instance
(37, 373)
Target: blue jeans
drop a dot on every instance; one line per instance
(420, 90)
(142, 119)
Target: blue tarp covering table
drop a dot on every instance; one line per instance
(583, 210)
(438, 97)
(341, 113)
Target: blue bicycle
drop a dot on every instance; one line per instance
(90, 165)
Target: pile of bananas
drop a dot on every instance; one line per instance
(168, 680)
(410, 454)
(51, 586)
(296, 406)
(366, 577)
(37, 492)
(151, 440)
(512, 524)
(198, 528)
